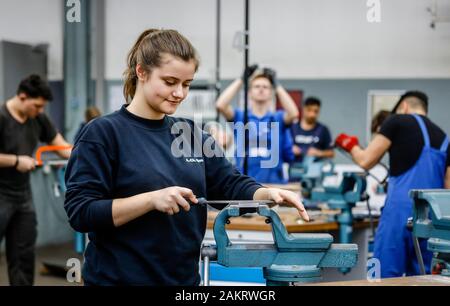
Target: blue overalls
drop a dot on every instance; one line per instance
(258, 152)
(393, 241)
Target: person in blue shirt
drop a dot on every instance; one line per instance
(134, 176)
(269, 136)
(311, 138)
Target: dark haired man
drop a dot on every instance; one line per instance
(311, 138)
(23, 124)
(419, 157)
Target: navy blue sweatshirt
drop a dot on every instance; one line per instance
(122, 155)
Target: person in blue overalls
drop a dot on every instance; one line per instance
(311, 138)
(265, 143)
(419, 157)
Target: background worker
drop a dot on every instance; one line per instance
(419, 158)
(311, 138)
(23, 124)
(262, 88)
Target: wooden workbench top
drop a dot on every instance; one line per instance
(291, 220)
(422, 280)
(294, 187)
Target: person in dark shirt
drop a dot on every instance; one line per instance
(134, 176)
(23, 124)
(419, 158)
(311, 138)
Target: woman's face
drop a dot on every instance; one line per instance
(261, 90)
(167, 86)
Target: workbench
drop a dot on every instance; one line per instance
(291, 220)
(293, 186)
(422, 280)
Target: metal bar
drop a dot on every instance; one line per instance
(218, 37)
(99, 54)
(419, 255)
(206, 271)
(246, 47)
(56, 162)
(202, 201)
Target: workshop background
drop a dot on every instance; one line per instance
(322, 48)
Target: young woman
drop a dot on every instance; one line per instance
(129, 187)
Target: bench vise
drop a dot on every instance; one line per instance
(431, 220)
(344, 197)
(310, 173)
(292, 258)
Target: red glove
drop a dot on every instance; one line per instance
(346, 142)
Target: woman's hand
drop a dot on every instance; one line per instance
(280, 196)
(169, 200)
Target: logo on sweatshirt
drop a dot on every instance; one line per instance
(194, 160)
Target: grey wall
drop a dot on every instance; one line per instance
(307, 39)
(36, 22)
(19, 61)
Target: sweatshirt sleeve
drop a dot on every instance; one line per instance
(224, 181)
(89, 181)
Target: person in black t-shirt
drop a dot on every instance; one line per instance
(419, 157)
(23, 124)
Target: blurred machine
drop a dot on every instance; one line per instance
(53, 170)
(80, 239)
(311, 174)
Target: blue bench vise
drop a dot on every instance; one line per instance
(431, 220)
(310, 173)
(351, 190)
(292, 258)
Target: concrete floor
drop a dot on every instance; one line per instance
(55, 255)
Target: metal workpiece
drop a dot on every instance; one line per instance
(291, 258)
(431, 220)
